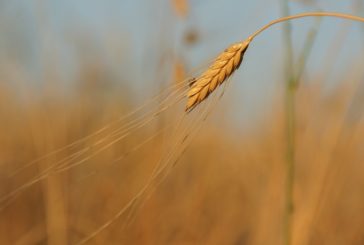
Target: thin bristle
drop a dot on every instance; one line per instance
(222, 68)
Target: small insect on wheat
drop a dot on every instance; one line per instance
(222, 68)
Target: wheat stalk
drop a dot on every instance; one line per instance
(229, 60)
(222, 68)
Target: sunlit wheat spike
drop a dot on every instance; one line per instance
(223, 66)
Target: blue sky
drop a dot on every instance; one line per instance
(130, 38)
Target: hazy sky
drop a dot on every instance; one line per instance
(132, 37)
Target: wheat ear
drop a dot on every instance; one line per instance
(223, 66)
(229, 60)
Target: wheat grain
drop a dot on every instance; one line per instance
(222, 68)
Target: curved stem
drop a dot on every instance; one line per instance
(309, 14)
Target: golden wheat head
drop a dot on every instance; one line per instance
(223, 66)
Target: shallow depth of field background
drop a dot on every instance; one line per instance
(67, 68)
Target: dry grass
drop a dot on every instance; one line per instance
(210, 198)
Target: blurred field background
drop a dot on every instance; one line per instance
(68, 68)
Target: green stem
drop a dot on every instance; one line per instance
(290, 156)
(292, 85)
(290, 127)
(306, 51)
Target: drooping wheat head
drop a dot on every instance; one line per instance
(222, 68)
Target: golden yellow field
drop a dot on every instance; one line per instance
(222, 184)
